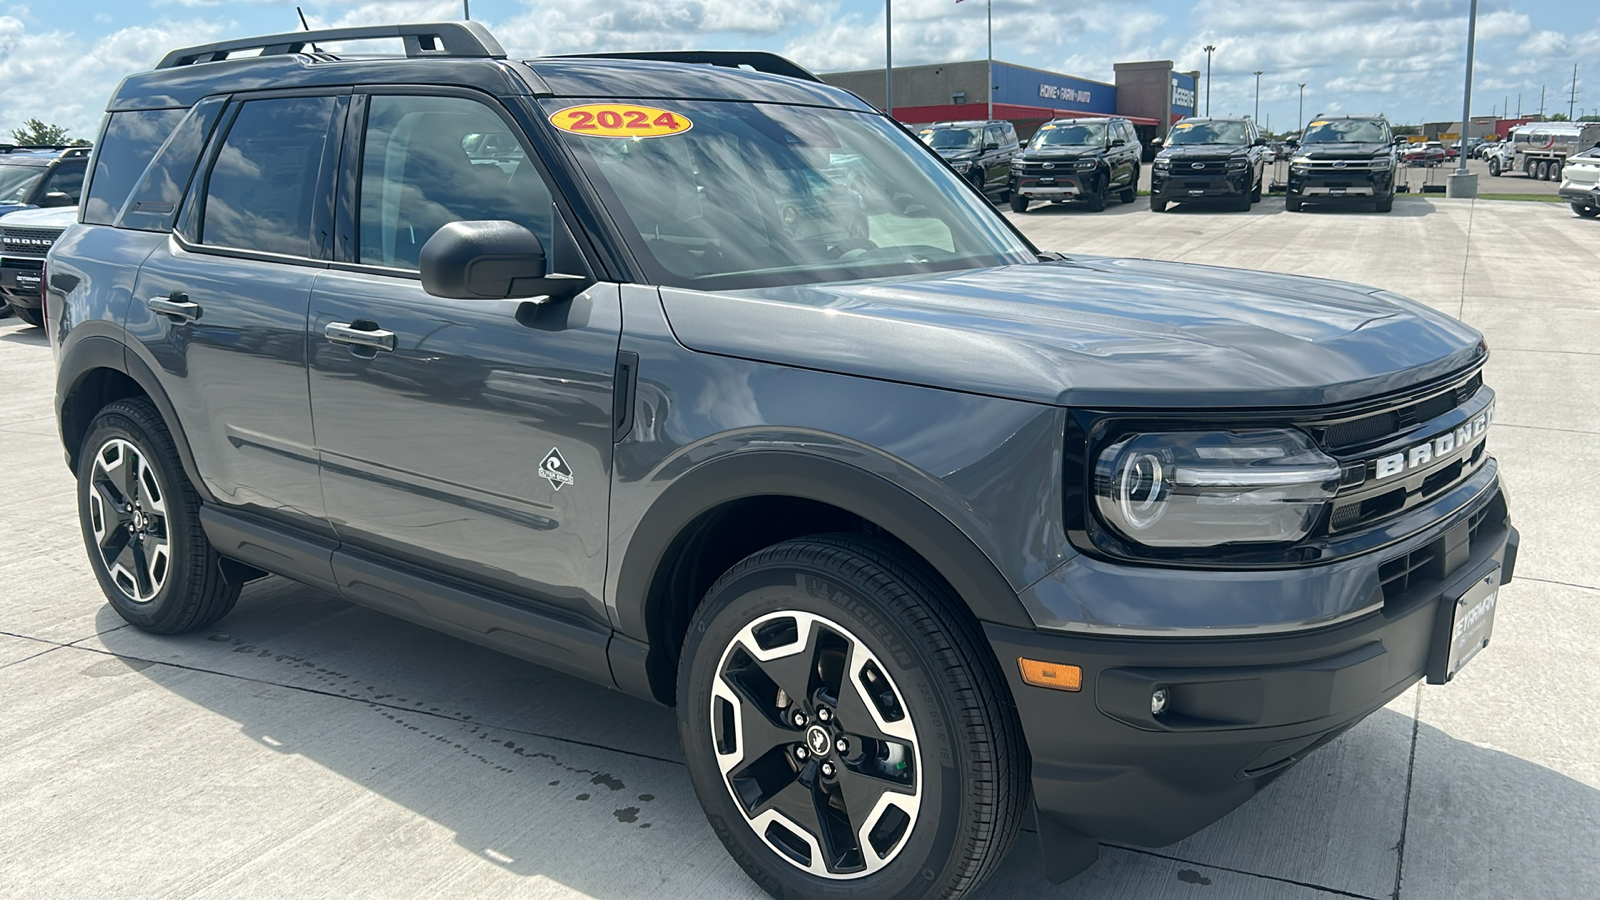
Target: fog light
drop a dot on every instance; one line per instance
(1158, 701)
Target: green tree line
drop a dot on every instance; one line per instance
(39, 134)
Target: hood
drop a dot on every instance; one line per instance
(1093, 332)
(7, 209)
(1342, 150)
(1062, 152)
(34, 217)
(957, 153)
(1204, 151)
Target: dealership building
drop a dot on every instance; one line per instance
(1150, 94)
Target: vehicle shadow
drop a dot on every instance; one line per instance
(549, 777)
(27, 334)
(1075, 208)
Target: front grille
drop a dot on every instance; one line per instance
(1338, 165)
(28, 241)
(1372, 428)
(1429, 562)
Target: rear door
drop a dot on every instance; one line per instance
(471, 438)
(219, 309)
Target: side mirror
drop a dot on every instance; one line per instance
(491, 260)
(1401, 139)
(1118, 142)
(56, 199)
(987, 148)
(1156, 142)
(1259, 142)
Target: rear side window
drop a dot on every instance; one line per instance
(127, 145)
(65, 179)
(262, 190)
(155, 201)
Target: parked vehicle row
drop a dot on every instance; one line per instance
(1078, 159)
(39, 190)
(1211, 159)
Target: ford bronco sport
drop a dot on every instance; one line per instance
(726, 392)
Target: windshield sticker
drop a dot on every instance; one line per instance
(1315, 124)
(1183, 126)
(620, 120)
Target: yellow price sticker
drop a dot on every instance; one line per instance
(1183, 126)
(620, 120)
(1315, 124)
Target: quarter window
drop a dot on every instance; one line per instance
(262, 189)
(67, 180)
(127, 144)
(430, 161)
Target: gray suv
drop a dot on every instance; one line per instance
(726, 392)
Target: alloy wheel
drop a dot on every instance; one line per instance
(128, 515)
(816, 745)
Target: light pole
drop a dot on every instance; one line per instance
(1302, 125)
(1462, 183)
(1257, 116)
(1210, 48)
(888, 63)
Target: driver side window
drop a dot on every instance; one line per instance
(430, 161)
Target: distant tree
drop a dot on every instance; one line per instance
(38, 133)
(1559, 117)
(1406, 129)
(1589, 118)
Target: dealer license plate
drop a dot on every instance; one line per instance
(1336, 192)
(1471, 622)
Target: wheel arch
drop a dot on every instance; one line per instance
(722, 511)
(97, 370)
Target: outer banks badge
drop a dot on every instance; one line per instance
(555, 470)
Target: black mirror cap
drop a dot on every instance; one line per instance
(1259, 142)
(483, 260)
(989, 148)
(57, 199)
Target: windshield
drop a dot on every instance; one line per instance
(1058, 135)
(1337, 131)
(952, 138)
(1209, 133)
(752, 194)
(16, 181)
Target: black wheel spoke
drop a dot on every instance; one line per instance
(790, 673)
(797, 801)
(860, 794)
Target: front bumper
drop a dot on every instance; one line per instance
(20, 282)
(1325, 185)
(1063, 187)
(1589, 196)
(1243, 709)
(1174, 185)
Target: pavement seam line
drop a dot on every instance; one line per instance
(1581, 587)
(18, 662)
(1545, 428)
(1405, 809)
(370, 703)
(1189, 862)
(1466, 259)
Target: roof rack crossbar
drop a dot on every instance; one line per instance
(770, 63)
(439, 39)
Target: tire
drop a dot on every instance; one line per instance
(1494, 168)
(1255, 192)
(1242, 203)
(167, 579)
(1555, 170)
(1130, 194)
(5, 310)
(34, 317)
(1588, 212)
(1157, 204)
(938, 736)
(1385, 204)
(1019, 203)
(1541, 171)
(1291, 202)
(1097, 197)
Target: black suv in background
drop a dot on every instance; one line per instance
(724, 391)
(1210, 159)
(1344, 158)
(40, 176)
(979, 151)
(1078, 159)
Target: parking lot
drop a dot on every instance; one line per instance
(307, 747)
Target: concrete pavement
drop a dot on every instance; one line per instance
(305, 747)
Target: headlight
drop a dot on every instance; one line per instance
(1087, 163)
(1203, 489)
(1238, 163)
(1162, 163)
(962, 165)
(1382, 162)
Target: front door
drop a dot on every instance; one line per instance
(469, 437)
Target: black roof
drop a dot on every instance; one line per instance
(465, 54)
(967, 123)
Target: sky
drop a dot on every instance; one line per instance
(60, 59)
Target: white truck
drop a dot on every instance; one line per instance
(1540, 149)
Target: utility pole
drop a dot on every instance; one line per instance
(1541, 103)
(1302, 125)
(1464, 184)
(1210, 48)
(990, 68)
(1573, 101)
(466, 10)
(888, 63)
(1257, 116)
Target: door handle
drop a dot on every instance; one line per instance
(345, 333)
(175, 306)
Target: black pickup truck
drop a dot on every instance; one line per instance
(1344, 159)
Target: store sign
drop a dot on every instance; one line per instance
(1066, 94)
(1182, 96)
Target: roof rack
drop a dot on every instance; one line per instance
(71, 150)
(440, 39)
(770, 63)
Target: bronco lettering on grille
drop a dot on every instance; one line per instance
(1437, 448)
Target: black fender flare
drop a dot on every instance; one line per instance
(96, 351)
(782, 473)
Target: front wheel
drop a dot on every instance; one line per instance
(1255, 192)
(1131, 192)
(1291, 203)
(1096, 195)
(1494, 168)
(140, 518)
(846, 728)
(1385, 203)
(34, 317)
(1157, 204)
(1588, 212)
(1019, 203)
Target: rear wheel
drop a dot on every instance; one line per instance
(140, 518)
(845, 726)
(1541, 171)
(1555, 170)
(1019, 203)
